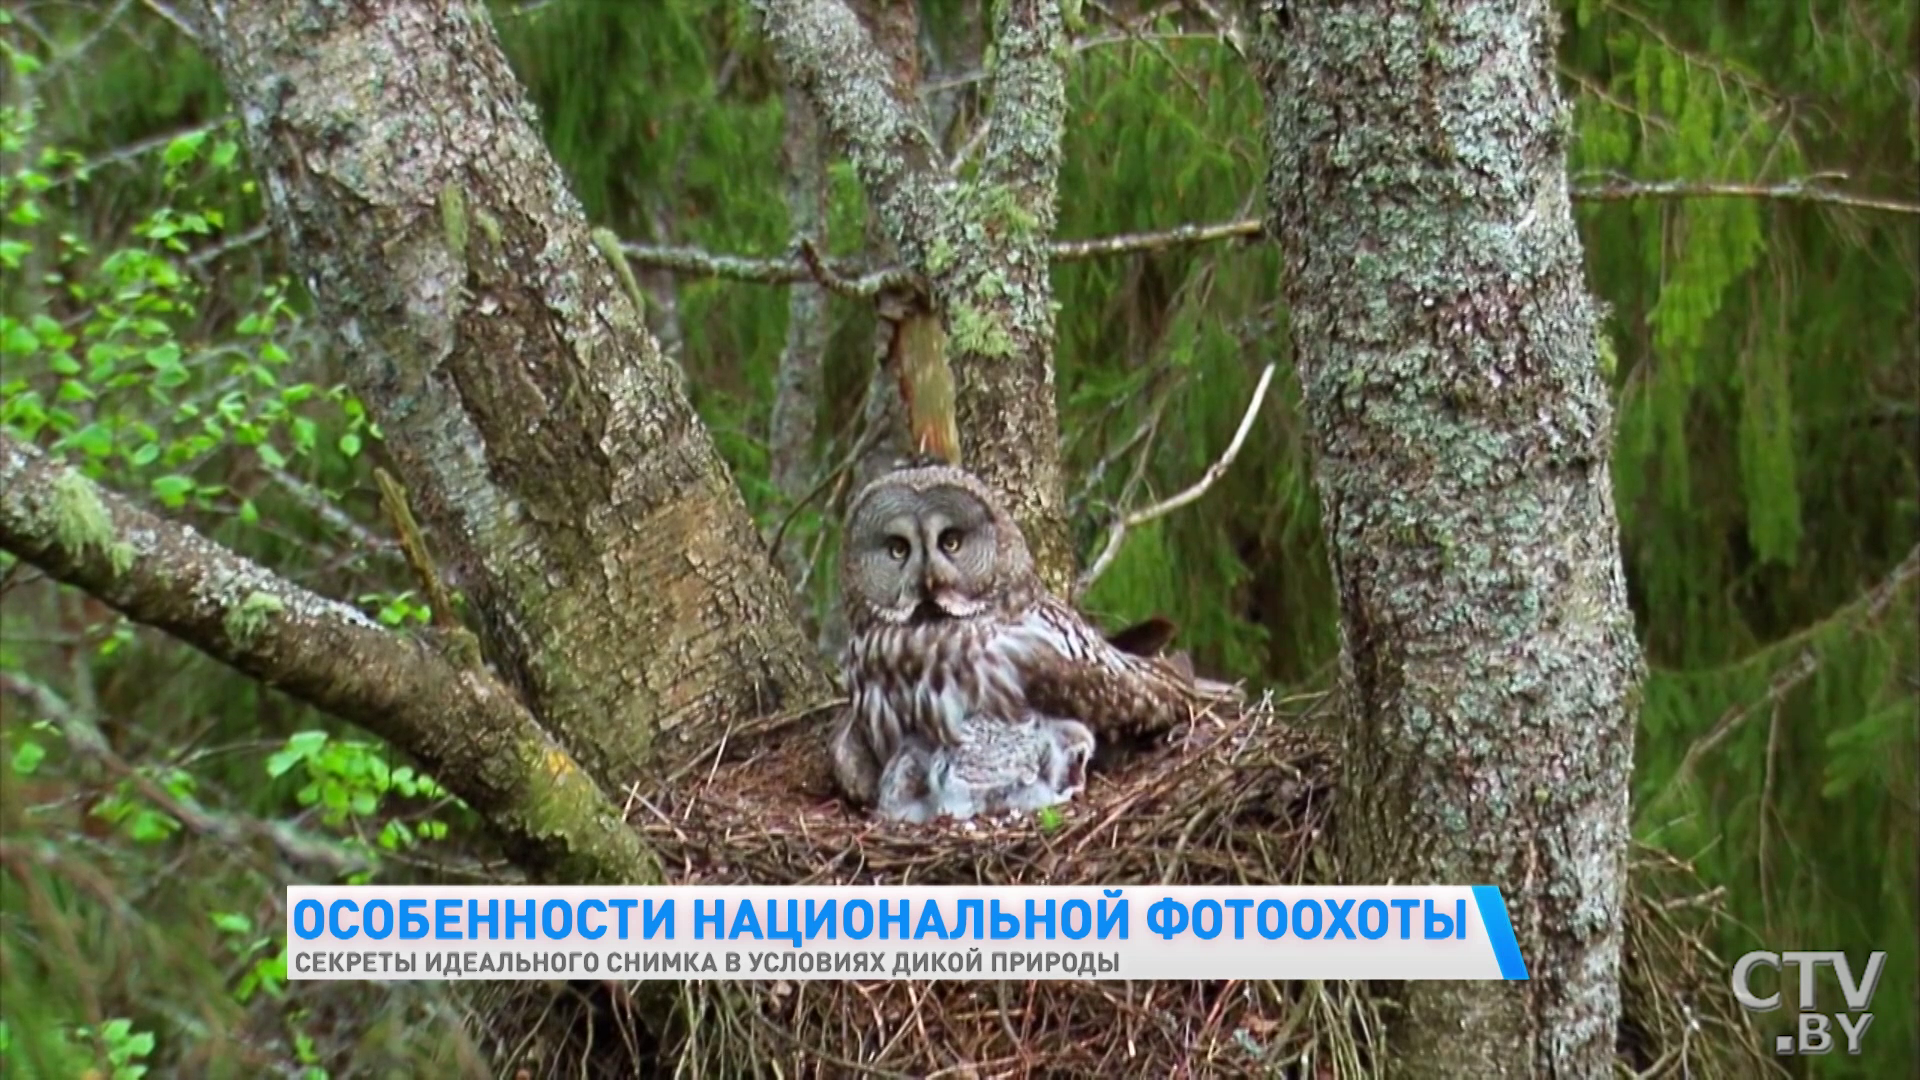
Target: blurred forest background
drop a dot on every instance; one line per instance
(1746, 180)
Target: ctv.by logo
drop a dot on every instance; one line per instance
(1815, 1034)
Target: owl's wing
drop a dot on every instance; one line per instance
(1070, 670)
(855, 767)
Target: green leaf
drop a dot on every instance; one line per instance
(17, 339)
(94, 440)
(28, 757)
(307, 742)
(350, 444)
(232, 922)
(172, 490)
(182, 150)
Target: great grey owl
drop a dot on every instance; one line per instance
(972, 688)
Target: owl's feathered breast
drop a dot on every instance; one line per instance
(929, 680)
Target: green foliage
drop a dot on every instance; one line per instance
(145, 336)
(1765, 377)
(348, 780)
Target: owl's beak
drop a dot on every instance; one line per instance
(940, 596)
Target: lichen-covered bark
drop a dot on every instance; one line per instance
(460, 723)
(553, 452)
(1446, 346)
(981, 246)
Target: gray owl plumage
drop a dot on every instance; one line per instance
(969, 680)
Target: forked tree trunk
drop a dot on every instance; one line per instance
(617, 577)
(981, 245)
(1446, 344)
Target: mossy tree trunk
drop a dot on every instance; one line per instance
(551, 449)
(416, 692)
(980, 245)
(1446, 346)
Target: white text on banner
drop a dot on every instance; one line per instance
(406, 932)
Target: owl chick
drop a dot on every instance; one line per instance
(1003, 768)
(950, 626)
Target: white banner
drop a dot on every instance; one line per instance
(376, 932)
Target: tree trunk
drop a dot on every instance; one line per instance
(981, 246)
(1446, 346)
(617, 576)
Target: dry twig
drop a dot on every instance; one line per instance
(1167, 506)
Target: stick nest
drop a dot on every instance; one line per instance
(1226, 801)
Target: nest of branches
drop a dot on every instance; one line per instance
(1229, 800)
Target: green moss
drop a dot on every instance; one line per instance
(980, 332)
(246, 619)
(940, 257)
(1001, 206)
(453, 219)
(609, 245)
(80, 519)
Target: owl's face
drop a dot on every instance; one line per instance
(922, 546)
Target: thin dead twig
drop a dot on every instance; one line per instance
(1807, 189)
(1167, 506)
(851, 282)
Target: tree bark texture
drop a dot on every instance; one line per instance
(796, 399)
(459, 722)
(555, 458)
(1446, 345)
(981, 245)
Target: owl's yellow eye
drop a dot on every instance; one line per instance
(898, 548)
(950, 541)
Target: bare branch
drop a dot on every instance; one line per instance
(693, 261)
(841, 278)
(236, 242)
(1079, 45)
(329, 512)
(178, 21)
(462, 725)
(1809, 189)
(1167, 506)
(1142, 243)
